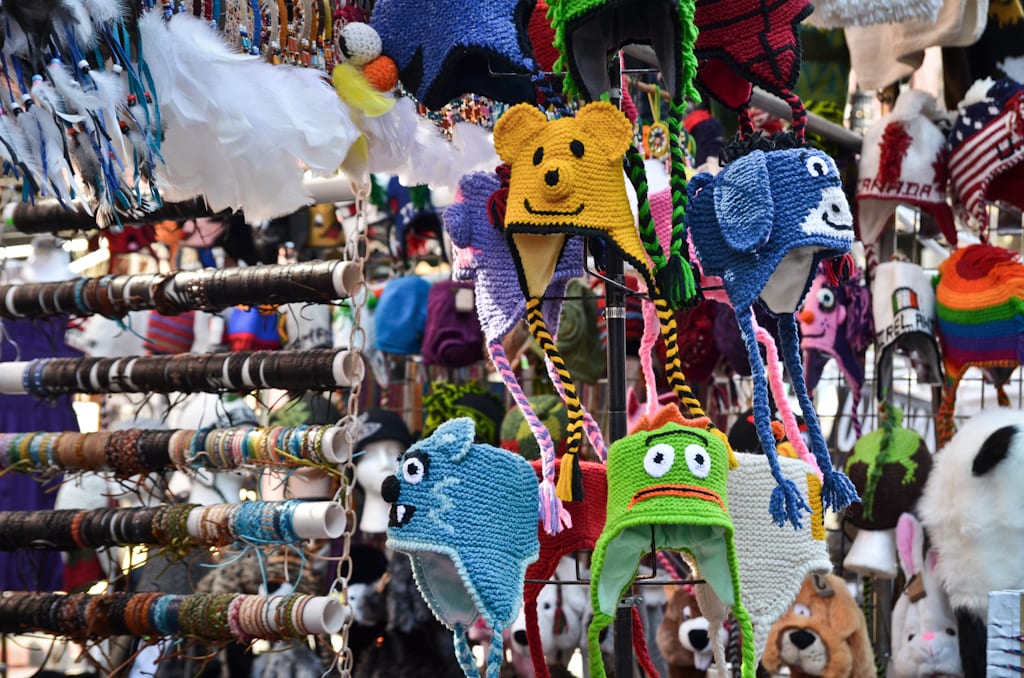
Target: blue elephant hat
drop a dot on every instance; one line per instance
(466, 514)
(763, 225)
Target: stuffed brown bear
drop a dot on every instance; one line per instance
(683, 635)
(822, 634)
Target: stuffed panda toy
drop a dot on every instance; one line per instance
(973, 511)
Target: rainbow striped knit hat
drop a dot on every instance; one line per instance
(980, 309)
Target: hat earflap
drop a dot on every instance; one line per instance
(464, 655)
(837, 490)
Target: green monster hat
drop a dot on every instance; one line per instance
(666, 490)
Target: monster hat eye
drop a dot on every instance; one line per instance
(826, 299)
(816, 166)
(414, 468)
(698, 461)
(659, 460)
(801, 610)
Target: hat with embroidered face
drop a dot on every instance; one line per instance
(903, 160)
(985, 149)
(466, 515)
(763, 224)
(445, 49)
(980, 322)
(587, 32)
(903, 303)
(836, 322)
(667, 485)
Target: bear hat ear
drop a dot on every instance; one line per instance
(995, 448)
(743, 202)
(515, 129)
(608, 127)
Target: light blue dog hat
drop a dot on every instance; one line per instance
(466, 514)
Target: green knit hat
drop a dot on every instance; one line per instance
(668, 486)
(588, 31)
(516, 435)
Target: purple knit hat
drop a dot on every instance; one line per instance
(483, 254)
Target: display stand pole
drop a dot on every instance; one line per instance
(615, 320)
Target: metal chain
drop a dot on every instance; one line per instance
(355, 250)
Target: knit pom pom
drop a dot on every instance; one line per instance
(838, 492)
(553, 516)
(570, 478)
(676, 283)
(787, 503)
(382, 73)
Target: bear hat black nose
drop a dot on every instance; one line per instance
(698, 638)
(551, 177)
(389, 489)
(802, 638)
(520, 637)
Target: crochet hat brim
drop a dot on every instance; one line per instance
(451, 591)
(666, 521)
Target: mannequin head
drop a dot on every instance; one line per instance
(385, 439)
(48, 261)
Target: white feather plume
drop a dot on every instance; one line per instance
(79, 23)
(105, 11)
(240, 131)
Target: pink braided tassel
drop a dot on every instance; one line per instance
(652, 328)
(594, 434)
(552, 514)
(779, 393)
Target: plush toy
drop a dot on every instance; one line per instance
(924, 637)
(823, 634)
(763, 225)
(683, 636)
(971, 509)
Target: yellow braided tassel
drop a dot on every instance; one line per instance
(570, 483)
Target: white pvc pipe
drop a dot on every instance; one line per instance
(348, 368)
(322, 614)
(346, 280)
(10, 377)
(333, 446)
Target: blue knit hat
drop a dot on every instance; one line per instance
(447, 48)
(402, 315)
(466, 514)
(763, 224)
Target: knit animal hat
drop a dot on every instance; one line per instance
(903, 304)
(903, 160)
(763, 224)
(750, 42)
(482, 254)
(773, 561)
(666, 491)
(566, 180)
(446, 49)
(516, 435)
(466, 516)
(986, 149)
(588, 31)
(836, 322)
(980, 307)
(889, 467)
(451, 401)
(587, 522)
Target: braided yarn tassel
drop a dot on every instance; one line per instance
(552, 514)
(647, 342)
(495, 654)
(837, 491)
(786, 503)
(593, 431)
(673, 366)
(676, 282)
(546, 91)
(463, 654)
(778, 388)
(570, 481)
(645, 222)
(799, 124)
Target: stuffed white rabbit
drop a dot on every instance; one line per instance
(924, 641)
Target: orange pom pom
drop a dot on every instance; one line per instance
(382, 73)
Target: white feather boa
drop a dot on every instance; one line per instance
(238, 130)
(976, 523)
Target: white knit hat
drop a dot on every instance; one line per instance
(903, 160)
(845, 13)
